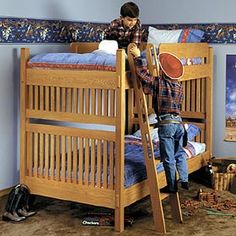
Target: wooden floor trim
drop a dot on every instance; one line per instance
(4, 192)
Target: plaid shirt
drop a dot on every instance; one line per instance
(124, 36)
(167, 94)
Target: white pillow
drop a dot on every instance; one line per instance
(154, 134)
(199, 147)
(108, 46)
(156, 36)
(152, 118)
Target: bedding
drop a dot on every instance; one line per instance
(158, 36)
(96, 60)
(135, 170)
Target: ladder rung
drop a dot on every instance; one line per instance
(157, 162)
(164, 195)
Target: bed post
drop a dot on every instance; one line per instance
(120, 131)
(209, 105)
(23, 99)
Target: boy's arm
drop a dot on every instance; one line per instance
(141, 70)
(146, 79)
(137, 36)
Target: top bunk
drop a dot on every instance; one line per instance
(85, 58)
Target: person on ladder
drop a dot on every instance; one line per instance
(167, 96)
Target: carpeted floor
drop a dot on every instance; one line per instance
(55, 217)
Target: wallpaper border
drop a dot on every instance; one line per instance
(27, 30)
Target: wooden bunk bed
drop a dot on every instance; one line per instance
(64, 161)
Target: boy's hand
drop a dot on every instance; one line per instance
(135, 51)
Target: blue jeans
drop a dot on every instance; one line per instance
(172, 153)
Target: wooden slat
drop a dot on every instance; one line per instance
(75, 100)
(69, 160)
(112, 103)
(92, 174)
(47, 98)
(93, 103)
(86, 166)
(52, 99)
(81, 47)
(69, 78)
(99, 99)
(63, 100)
(35, 154)
(81, 101)
(58, 157)
(71, 117)
(105, 163)
(186, 50)
(193, 96)
(99, 160)
(63, 158)
(188, 95)
(60, 130)
(41, 154)
(52, 155)
(58, 99)
(46, 155)
(184, 92)
(111, 158)
(198, 96)
(105, 103)
(41, 100)
(36, 97)
(195, 72)
(87, 101)
(29, 160)
(75, 158)
(69, 100)
(31, 96)
(81, 160)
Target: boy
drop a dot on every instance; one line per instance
(127, 28)
(167, 96)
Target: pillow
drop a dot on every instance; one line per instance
(192, 131)
(152, 118)
(198, 147)
(108, 46)
(156, 36)
(191, 36)
(154, 134)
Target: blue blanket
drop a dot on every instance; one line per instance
(94, 58)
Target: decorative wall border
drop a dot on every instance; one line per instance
(25, 30)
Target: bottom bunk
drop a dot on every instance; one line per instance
(87, 175)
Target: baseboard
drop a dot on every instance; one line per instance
(5, 192)
(226, 158)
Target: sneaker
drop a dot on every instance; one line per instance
(166, 189)
(185, 185)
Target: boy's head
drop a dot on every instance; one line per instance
(129, 13)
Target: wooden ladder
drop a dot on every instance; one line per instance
(150, 161)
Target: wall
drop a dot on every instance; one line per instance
(155, 12)
(201, 11)
(75, 10)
